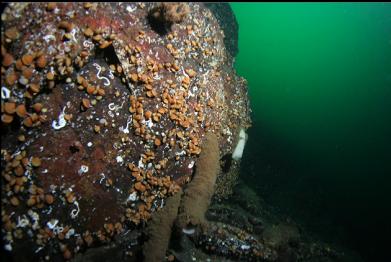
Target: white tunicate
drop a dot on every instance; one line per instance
(119, 159)
(89, 144)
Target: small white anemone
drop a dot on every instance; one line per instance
(238, 152)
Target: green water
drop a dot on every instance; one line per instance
(320, 89)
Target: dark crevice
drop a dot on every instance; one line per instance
(157, 25)
(226, 162)
(110, 55)
(74, 149)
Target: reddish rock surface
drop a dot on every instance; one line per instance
(100, 87)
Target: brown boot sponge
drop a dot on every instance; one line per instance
(159, 230)
(199, 192)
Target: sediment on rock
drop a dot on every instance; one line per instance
(197, 196)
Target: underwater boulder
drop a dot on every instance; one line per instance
(103, 118)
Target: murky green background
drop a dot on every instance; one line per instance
(320, 88)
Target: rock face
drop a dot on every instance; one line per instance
(227, 21)
(103, 117)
